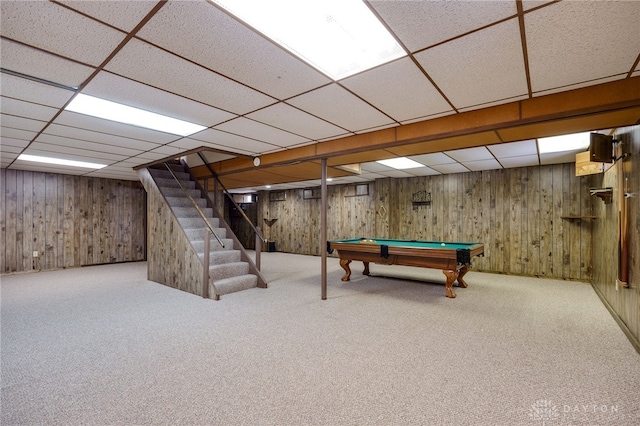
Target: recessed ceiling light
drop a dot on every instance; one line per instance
(338, 37)
(401, 163)
(572, 142)
(60, 161)
(101, 108)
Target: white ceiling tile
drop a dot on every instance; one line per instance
(566, 40)
(475, 166)
(578, 85)
(58, 30)
(124, 15)
(30, 91)
(524, 161)
(12, 144)
(21, 123)
(422, 171)
(166, 150)
(430, 117)
(104, 139)
(399, 89)
(514, 149)
(374, 167)
(558, 157)
(258, 131)
(433, 159)
(231, 142)
(48, 168)
(93, 147)
(450, 168)
(482, 67)
(122, 90)
(293, 120)
(147, 64)
(188, 144)
(335, 104)
(8, 132)
(395, 174)
(530, 4)
(9, 152)
(36, 63)
(6, 159)
(26, 109)
(82, 121)
(70, 153)
(388, 126)
(149, 156)
(420, 24)
(470, 154)
(494, 103)
(194, 30)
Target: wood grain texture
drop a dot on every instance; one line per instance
(624, 302)
(171, 261)
(70, 221)
(515, 213)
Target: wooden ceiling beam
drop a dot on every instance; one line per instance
(607, 100)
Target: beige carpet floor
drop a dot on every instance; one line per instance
(103, 346)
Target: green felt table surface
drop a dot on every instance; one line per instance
(410, 243)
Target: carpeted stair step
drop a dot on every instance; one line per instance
(195, 234)
(217, 257)
(179, 192)
(191, 212)
(164, 174)
(171, 183)
(198, 245)
(228, 270)
(231, 285)
(197, 222)
(185, 202)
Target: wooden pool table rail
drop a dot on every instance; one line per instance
(454, 263)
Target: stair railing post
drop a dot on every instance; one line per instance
(205, 274)
(258, 247)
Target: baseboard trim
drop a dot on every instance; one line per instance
(633, 339)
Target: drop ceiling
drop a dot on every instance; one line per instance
(193, 61)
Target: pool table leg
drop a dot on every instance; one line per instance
(345, 265)
(463, 271)
(451, 277)
(366, 269)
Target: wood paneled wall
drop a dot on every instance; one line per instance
(69, 220)
(623, 302)
(516, 213)
(171, 259)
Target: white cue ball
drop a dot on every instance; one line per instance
(443, 244)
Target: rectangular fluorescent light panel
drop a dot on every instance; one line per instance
(338, 37)
(59, 161)
(401, 163)
(572, 142)
(96, 107)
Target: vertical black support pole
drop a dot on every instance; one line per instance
(323, 228)
(258, 247)
(215, 195)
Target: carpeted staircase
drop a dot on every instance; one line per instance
(227, 271)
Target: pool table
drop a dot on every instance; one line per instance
(453, 258)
